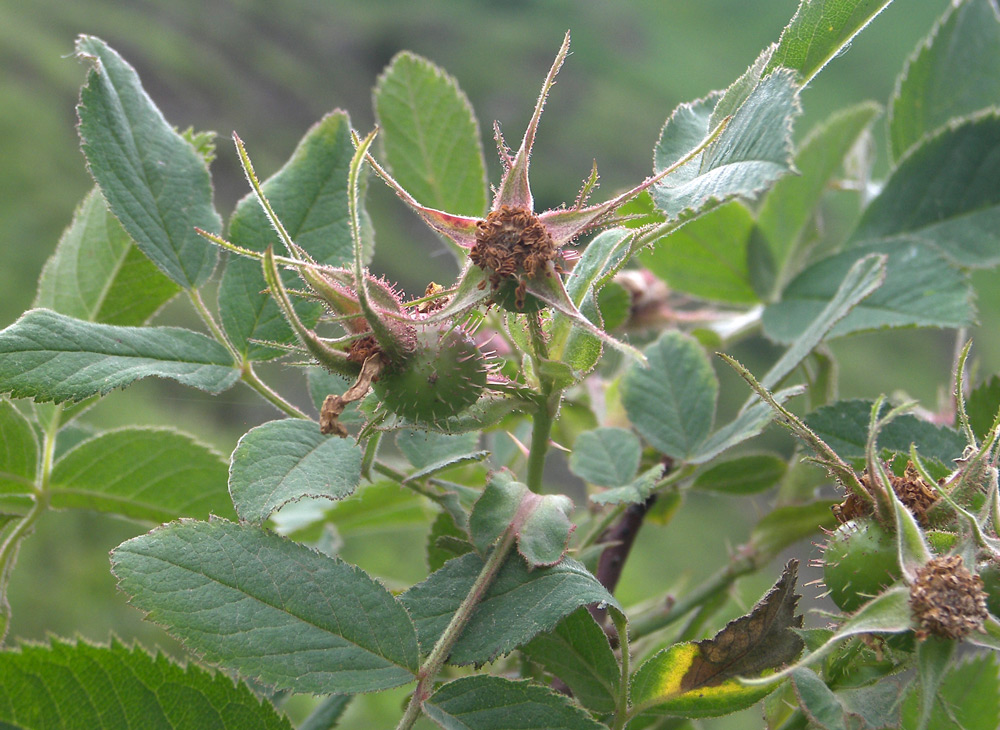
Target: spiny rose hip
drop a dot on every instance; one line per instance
(443, 375)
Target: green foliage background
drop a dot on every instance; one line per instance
(270, 70)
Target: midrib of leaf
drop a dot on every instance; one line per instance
(421, 142)
(374, 629)
(109, 281)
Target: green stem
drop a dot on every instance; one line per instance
(250, 378)
(10, 545)
(621, 709)
(436, 659)
(721, 581)
(247, 375)
(541, 430)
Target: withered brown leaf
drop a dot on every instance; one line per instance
(750, 644)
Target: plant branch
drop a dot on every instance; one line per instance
(721, 581)
(439, 654)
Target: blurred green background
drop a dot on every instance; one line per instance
(269, 70)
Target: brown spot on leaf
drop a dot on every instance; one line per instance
(753, 643)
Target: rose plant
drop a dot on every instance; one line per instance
(454, 399)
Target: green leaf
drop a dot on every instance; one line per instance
(784, 526)
(792, 202)
(327, 714)
(865, 276)
(155, 182)
(819, 30)
(982, 405)
(270, 608)
(520, 604)
(309, 196)
(607, 457)
(635, 492)
(921, 289)
(484, 702)
(98, 274)
(953, 73)
(819, 703)
(153, 474)
(574, 345)
(426, 449)
(430, 136)
(671, 402)
(446, 540)
(284, 461)
(708, 257)
(744, 475)
(64, 686)
(967, 698)
(49, 357)
(540, 522)
(698, 679)
(577, 651)
(18, 451)
(944, 193)
(749, 422)
(844, 427)
(751, 153)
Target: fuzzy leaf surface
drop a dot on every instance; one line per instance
(819, 30)
(944, 193)
(284, 461)
(577, 651)
(154, 180)
(485, 702)
(749, 474)
(784, 526)
(751, 153)
(18, 451)
(844, 427)
(607, 456)
(791, 203)
(953, 73)
(153, 474)
(270, 608)
(967, 697)
(818, 702)
(71, 686)
(98, 274)
(430, 136)
(520, 604)
(708, 257)
(50, 357)
(309, 196)
(697, 679)
(426, 448)
(635, 492)
(671, 402)
(983, 404)
(921, 288)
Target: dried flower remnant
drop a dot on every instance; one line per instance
(911, 489)
(515, 247)
(947, 600)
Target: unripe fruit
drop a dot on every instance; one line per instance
(441, 377)
(860, 559)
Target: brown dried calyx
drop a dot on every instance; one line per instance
(364, 351)
(512, 243)
(911, 489)
(947, 600)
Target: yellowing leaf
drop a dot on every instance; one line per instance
(698, 679)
